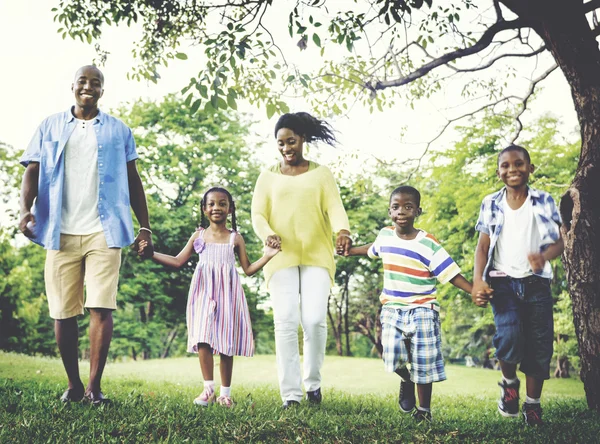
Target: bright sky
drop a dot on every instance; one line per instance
(38, 67)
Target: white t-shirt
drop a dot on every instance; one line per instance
(519, 237)
(80, 193)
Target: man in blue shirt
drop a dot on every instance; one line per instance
(79, 184)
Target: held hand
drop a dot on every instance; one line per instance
(343, 243)
(27, 224)
(270, 251)
(481, 293)
(273, 241)
(147, 250)
(537, 262)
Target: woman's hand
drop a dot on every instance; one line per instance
(273, 241)
(343, 243)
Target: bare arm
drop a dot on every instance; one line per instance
(174, 261)
(250, 269)
(481, 291)
(29, 191)
(459, 281)
(538, 260)
(361, 250)
(137, 197)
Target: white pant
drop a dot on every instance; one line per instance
(299, 295)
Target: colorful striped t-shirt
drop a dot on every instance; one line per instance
(412, 269)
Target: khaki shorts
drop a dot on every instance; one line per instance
(81, 259)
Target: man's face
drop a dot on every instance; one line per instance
(88, 87)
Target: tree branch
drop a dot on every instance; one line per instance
(501, 56)
(528, 95)
(481, 44)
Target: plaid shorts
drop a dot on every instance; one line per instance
(413, 337)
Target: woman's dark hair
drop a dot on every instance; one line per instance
(203, 221)
(307, 126)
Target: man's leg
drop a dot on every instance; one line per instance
(101, 329)
(66, 332)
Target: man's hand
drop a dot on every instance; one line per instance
(343, 243)
(26, 224)
(146, 249)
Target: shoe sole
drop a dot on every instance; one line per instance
(508, 415)
(203, 403)
(406, 411)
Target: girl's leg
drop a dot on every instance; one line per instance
(424, 391)
(315, 284)
(284, 288)
(205, 355)
(226, 369)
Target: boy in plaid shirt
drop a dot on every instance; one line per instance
(413, 263)
(519, 235)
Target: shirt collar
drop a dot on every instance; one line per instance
(533, 193)
(100, 117)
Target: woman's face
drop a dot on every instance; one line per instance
(290, 146)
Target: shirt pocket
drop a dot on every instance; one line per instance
(48, 155)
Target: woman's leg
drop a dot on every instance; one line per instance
(284, 288)
(315, 284)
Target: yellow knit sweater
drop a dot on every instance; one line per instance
(303, 210)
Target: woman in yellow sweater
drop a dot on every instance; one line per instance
(297, 206)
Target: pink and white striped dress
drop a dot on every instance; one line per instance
(217, 312)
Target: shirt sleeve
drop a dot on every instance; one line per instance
(261, 204)
(482, 223)
(374, 249)
(442, 266)
(333, 204)
(34, 149)
(553, 210)
(130, 151)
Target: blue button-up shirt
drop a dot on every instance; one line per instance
(491, 220)
(116, 147)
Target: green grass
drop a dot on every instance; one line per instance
(152, 401)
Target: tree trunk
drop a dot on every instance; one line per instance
(346, 300)
(337, 334)
(170, 338)
(566, 33)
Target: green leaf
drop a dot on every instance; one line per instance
(317, 40)
(231, 102)
(181, 56)
(271, 109)
(221, 103)
(290, 79)
(195, 106)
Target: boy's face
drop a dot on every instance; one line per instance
(216, 208)
(514, 169)
(88, 87)
(403, 210)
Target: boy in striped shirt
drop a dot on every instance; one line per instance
(413, 263)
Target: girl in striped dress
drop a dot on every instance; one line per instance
(218, 319)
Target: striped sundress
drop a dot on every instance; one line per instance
(217, 312)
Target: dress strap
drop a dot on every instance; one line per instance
(232, 237)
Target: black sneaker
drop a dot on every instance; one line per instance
(421, 415)
(508, 404)
(406, 398)
(532, 414)
(314, 397)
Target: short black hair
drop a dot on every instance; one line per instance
(406, 189)
(514, 148)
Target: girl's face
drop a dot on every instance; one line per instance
(290, 146)
(216, 208)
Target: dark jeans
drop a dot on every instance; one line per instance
(524, 324)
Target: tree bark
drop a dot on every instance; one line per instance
(170, 338)
(346, 301)
(337, 334)
(566, 33)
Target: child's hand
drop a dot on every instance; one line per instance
(481, 293)
(143, 244)
(537, 262)
(273, 241)
(270, 251)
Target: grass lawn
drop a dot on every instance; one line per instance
(152, 401)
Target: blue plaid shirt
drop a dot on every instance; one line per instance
(116, 147)
(491, 220)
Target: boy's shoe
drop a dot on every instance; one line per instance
(508, 404)
(532, 414)
(406, 397)
(96, 399)
(205, 398)
(73, 395)
(421, 415)
(314, 396)
(225, 401)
